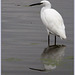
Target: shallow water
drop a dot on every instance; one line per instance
(24, 40)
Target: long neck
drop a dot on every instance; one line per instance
(48, 6)
(45, 7)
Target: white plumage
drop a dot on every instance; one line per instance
(52, 20)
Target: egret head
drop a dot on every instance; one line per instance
(46, 3)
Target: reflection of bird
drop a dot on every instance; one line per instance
(52, 55)
(52, 20)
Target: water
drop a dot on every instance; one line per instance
(24, 40)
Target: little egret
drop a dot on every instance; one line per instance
(52, 20)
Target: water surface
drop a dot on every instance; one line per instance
(24, 40)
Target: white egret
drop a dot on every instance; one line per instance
(52, 20)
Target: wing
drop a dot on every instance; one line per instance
(53, 21)
(54, 18)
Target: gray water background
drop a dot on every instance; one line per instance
(24, 38)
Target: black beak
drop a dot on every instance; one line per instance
(35, 4)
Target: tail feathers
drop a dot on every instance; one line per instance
(63, 36)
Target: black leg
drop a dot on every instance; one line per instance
(48, 39)
(55, 40)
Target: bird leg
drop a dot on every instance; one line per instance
(55, 40)
(48, 39)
